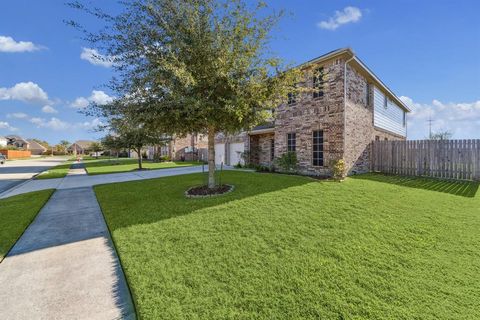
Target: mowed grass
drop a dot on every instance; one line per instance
(104, 166)
(16, 213)
(59, 171)
(287, 247)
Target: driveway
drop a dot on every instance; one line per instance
(16, 171)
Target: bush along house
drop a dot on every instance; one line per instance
(345, 108)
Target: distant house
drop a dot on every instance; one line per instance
(17, 141)
(3, 141)
(35, 147)
(80, 147)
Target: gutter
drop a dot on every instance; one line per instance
(345, 104)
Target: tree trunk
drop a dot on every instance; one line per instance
(139, 153)
(211, 158)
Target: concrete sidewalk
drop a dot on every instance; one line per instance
(82, 180)
(64, 266)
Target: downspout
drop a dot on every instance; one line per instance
(345, 105)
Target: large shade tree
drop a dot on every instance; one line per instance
(196, 65)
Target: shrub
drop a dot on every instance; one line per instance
(238, 166)
(165, 158)
(287, 161)
(246, 157)
(339, 169)
(263, 168)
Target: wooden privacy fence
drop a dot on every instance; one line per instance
(447, 159)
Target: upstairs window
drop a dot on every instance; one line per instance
(318, 81)
(404, 118)
(385, 102)
(292, 142)
(317, 148)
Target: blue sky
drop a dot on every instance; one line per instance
(425, 51)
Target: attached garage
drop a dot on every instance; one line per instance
(220, 153)
(235, 153)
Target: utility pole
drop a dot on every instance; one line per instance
(430, 127)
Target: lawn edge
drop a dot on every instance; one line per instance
(127, 281)
(52, 191)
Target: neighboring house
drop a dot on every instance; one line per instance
(348, 107)
(17, 142)
(80, 147)
(3, 141)
(191, 147)
(35, 147)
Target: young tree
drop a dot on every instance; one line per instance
(441, 135)
(196, 65)
(112, 143)
(135, 136)
(64, 144)
(96, 147)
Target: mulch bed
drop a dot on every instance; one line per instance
(205, 191)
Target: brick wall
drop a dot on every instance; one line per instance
(260, 148)
(310, 114)
(179, 145)
(360, 131)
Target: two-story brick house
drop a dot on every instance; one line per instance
(345, 109)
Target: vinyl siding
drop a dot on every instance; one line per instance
(390, 118)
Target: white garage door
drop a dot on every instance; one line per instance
(236, 150)
(219, 153)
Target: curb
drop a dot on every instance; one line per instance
(4, 193)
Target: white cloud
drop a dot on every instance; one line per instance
(90, 125)
(96, 58)
(49, 109)
(24, 91)
(53, 123)
(5, 125)
(99, 97)
(462, 119)
(8, 44)
(17, 115)
(80, 103)
(347, 15)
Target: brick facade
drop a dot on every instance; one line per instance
(181, 147)
(261, 148)
(347, 125)
(360, 130)
(309, 114)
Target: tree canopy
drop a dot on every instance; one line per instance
(186, 66)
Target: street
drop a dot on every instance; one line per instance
(15, 171)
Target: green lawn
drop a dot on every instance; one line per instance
(104, 166)
(16, 213)
(59, 171)
(287, 247)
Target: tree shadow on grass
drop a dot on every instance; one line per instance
(149, 201)
(458, 188)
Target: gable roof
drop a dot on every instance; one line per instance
(14, 137)
(35, 145)
(84, 144)
(359, 63)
